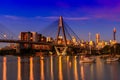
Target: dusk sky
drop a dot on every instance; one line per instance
(83, 16)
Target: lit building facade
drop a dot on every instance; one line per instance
(35, 37)
(74, 41)
(25, 36)
(31, 36)
(97, 38)
(49, 39)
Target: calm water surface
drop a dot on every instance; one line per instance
(56, 68)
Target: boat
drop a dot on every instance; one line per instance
(112, 59)
(112, 55)
(85, 59)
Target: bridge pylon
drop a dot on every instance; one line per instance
(61, 27)
(63, 48)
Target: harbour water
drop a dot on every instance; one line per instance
(56, 68)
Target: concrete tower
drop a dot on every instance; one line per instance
(114, 34)
(61, 26)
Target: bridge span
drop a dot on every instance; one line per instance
(24, 42)
(62, 44)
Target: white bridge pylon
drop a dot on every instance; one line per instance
(61, 51)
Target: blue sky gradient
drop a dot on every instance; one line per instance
(83, 16)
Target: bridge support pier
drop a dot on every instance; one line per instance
(17, 48)
(61, 50)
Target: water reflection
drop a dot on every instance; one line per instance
(51, 68)
(82, 72)
(42, 76)
(60, 75)
(31, 69)
(25, 68)
(68, 68)
(113, 68)
(75, 69)
(56, 68)
(19, 68)
(4, 68)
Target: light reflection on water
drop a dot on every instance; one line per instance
(4, 68)
(31, 69)
(19, 68)
(56, 68)
(42, 69)
(60, 77)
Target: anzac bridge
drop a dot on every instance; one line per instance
(62, 30)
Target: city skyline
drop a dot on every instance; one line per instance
(94, 16)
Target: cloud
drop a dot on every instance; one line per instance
(106, 11)
(77, 18)
(49, 17)
(12, 17)
(44, 18)
(66, 18)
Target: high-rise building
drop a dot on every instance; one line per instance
(49, 39)
(34, 36)
(31, 36)
(97, 38)
(74, 40)
(26, 36)
(39, 36)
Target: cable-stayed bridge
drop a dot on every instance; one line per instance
(61, 31)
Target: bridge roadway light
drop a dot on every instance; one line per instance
(19, 37)
(5, 36)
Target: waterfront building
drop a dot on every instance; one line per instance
(49, 39)
(34, 36)
(83, 44)
(100, 45)
(43, 39)
(31, 36)
(97, 38)
(92, 44)
(74, 40)
(69, 42)
(60, 40)
(112, 42)
(26, 36)
(39, 36)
